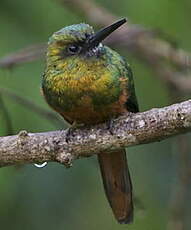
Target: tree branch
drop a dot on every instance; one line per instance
(180, 189)
(128, 130)
(29, 104)
(27, 54)
(132, 36)
(159, 54)
(141, 42)
(8, 122)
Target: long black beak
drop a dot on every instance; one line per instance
(105, 32)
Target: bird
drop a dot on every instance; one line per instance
(88, 83)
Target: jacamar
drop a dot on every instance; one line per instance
(89, 83)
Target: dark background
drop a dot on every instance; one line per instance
(59, 198)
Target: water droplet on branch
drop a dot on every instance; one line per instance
(41, 165)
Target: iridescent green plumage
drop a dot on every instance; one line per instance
(94, 81)
(87, 82)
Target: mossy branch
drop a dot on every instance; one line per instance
(128, 130)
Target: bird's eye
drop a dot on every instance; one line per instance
(74, 49)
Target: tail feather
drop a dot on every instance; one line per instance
(117, 184)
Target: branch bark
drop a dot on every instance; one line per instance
(130, 129)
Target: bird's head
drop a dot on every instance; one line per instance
(80, 40)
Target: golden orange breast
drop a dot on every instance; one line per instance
(87, 92)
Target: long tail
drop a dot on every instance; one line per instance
(117, 184)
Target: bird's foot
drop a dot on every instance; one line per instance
(70, 131)
(109, 125)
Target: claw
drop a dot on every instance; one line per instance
(67, 135)
(109, 125)
(70, 130)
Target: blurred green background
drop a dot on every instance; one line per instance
(59, 198)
